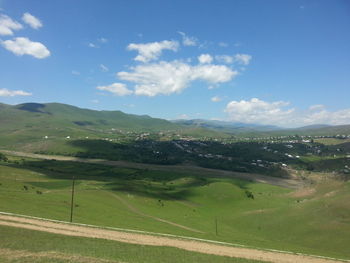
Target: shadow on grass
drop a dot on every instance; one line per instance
(163, 185)
(236, 157)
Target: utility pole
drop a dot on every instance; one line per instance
(72, 201)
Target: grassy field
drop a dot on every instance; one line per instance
(315, 220)
(16, 245)
(331, 141)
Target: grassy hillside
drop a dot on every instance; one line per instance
(16, 245)
(314, 220)
(227, 127)
(55, 115)
(33, 126)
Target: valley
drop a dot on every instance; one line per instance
(276, 192)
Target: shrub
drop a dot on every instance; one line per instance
(249, 194)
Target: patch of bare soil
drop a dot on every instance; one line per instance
(16, 255)
(144, 239)
(258, 211)
(303, 192)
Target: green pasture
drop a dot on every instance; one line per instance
(181, 203)
(63, 249)
(332, 141)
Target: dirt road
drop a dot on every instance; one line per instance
(288, 183)
(153, 240)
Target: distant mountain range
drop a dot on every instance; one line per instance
(30, 120)
(230, 127)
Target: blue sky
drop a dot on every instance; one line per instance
(276, 62)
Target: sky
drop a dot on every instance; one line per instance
(271, 62)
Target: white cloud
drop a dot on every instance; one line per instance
(95, 101)
(275, 113)
(23, 46)
(7, 25)
(12, 93)
(92, 45)
(173, 77)
(152, 51)
(118, 89)
(323, 116)
(187, 40)
(316, 107)
(216, 99)
(205, 58)
(225, 59)
(258, 111)
(243, 59)
(104, 68)
(32, 21)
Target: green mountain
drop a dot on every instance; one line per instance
(228, 127)
(29, 124)
(62, 115)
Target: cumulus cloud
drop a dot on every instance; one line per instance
(12, 93)
(187, 40)
(216, 99)
(173, 77)
(118, 89)
(277, 113)
(23, 46)
(242, 59)
(152, 51)
(205, 58)
(32, 21)
(7, 25)
(258, 111)
(323, 116)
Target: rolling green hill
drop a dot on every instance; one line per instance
(55, 115)
(26, 126)
(313, 220)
